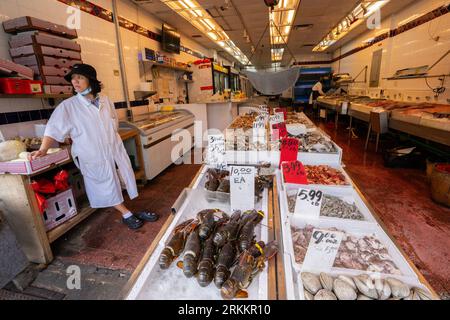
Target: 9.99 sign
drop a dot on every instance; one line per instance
(294, 172)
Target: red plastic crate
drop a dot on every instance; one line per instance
(20, 86)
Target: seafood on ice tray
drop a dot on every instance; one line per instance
(309, 142)
(332, 206)
(218, 248)
(365, 253)
(360, 287)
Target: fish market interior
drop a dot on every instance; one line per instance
(225, 150)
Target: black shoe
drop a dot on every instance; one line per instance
(147, 216)
(133, 222)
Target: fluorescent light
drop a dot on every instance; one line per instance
(356, 17)
(195, 14)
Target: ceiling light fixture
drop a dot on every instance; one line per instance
(195, 14)
(281, 22)
(362, 11)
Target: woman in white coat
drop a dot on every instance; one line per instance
(90, 120)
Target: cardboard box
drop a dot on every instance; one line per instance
(10, 68)
(60, 208)
(42, 38)
(52, 89)
(28, 23)
(28, 167)
(35, 60)
(44, 51)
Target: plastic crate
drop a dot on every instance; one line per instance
(60, 208)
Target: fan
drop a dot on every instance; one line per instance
(271, 3)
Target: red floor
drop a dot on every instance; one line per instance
(401, 198)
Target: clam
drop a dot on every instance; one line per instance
(383, 289)
(398, 288)
(349, 280)
(363, 297)
(326, 281)
(412, 296)
(308, 296)
(311, 282)
(366, 286)
(325, 294)
(422, 294)
(343, 290)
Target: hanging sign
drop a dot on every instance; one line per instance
(288, 150)
(216, 151)
(322, 250)
(242, 188)
(308, 203)
(294, 172)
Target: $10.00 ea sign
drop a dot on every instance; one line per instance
(242, 188)
(308, 203)
(322, 250)
(216, 151)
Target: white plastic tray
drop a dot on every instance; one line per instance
(358, 230)
(154, 283)
(348, 194)
(299, 291)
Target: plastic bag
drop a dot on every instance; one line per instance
(61, 180)
(43, 186)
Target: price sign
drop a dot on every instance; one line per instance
(276, 118)
(322, 250)
(279, 131)
(242, 188)
(216, 151)
(288, 150)
(294, 172)
(283, 111)
(308, 203)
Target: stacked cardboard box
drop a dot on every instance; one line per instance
(45, 47)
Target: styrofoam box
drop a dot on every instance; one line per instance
(347, 194)
(156, 284)
(349, 184)
(28, 167)
(299, 294)
(358, 230)
(60, 208)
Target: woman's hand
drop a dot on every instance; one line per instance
(37, 154)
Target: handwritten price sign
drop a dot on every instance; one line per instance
(308, 203)
(294, 172)
(283, 111)
(242, 188)
(289, 150)
(216, 151)
(322, 250)
(279, 131)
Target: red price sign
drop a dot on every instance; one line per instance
(283, 110)
(289, 149)
(294, 172)
(279, 131)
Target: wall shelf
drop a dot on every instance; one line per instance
(165, 65)
(417, 77)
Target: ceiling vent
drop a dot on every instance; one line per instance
(302, 27)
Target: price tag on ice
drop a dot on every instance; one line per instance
(216, 151)
(283, 111)
(308, 203)
(242, 188)
(278, 131)
(294, 172)
(322, 250)
(288, 150)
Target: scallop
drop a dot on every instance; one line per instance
(311, 282)
(343, 290)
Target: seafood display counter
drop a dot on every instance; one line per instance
(156, 130)
(184, 246)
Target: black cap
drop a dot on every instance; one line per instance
(84, 69)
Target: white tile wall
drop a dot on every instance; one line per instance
(410, 49)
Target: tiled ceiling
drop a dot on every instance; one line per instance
(253, 15)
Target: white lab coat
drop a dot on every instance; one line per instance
(96, 149)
